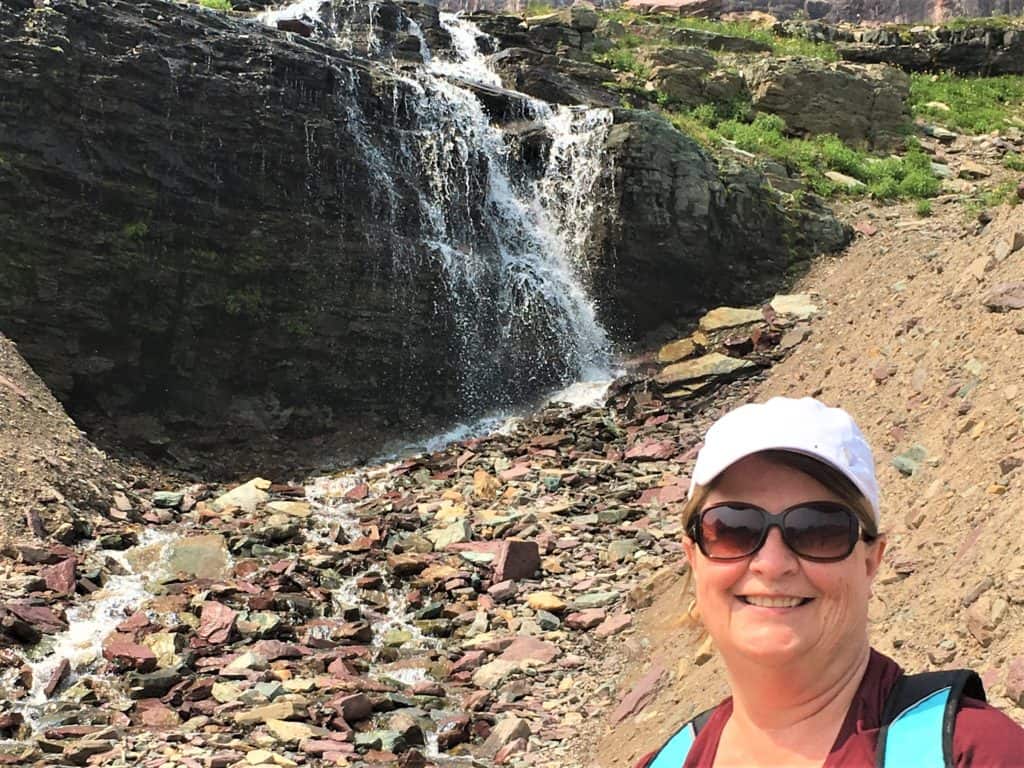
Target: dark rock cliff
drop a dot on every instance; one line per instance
(212, 231)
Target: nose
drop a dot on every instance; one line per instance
(774, 558)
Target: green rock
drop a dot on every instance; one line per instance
(547, 621)
(595, 600)
(167, 499)
(396, 638)
(198, 557)
(612, 516)
(621, 550)
(910, 460)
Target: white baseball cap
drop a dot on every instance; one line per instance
(804, 426)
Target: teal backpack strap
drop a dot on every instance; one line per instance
(919, 717)
(674, 753)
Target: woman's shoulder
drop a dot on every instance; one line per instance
(985, 736)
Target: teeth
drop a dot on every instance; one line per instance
(774, 602)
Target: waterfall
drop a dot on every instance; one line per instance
(509, 243)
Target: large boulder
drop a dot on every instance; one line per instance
(862, 104)
(680, 232)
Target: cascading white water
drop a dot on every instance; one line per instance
(511, 247)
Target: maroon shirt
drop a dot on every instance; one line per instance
(984, 737)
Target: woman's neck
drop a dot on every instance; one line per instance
(794, 709)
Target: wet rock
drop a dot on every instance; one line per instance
(125, 654)
(61, 578)
(198, 557)
(246, 497)
(167, 499)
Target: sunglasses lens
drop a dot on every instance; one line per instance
(728, 532)
(820, 531)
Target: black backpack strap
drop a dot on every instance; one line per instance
(911, 690)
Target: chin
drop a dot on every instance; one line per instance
(772, 648)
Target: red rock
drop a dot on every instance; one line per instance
(39, 617)
(883, 371)
(666, 494)
(1015, 681)
(408, 564)
(469, 661)
(271, 650)
(452, 732)
(122, 652)
(32, 555)
(358, 493)
(153, 713)
(216, 622)
(63, 667)
(651, 451)
(865, 228)
(135, 622)
(640, 695)
(587, 619)
(516, 560)
(428, 688)
(526, 647)
(61, 577)
(515, 472)
(512, 748)
(613, 625)
(354, 707)
(323, 746)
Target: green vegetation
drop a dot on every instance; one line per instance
(985, 22)
(622, 58)
(924, 208)
(976, 104)
(135, 230)
(538, 8)
(907, 177)
(1014, 161)
(217, 5)
(656, 27)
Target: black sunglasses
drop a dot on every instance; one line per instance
(822, 531)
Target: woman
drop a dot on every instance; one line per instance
(783, 543)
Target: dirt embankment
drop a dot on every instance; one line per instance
(52, 479)
(936, 380)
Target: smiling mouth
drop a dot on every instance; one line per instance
(774, 602)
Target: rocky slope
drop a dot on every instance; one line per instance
(923, 353)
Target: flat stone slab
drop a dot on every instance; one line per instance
(729, 317)
(712, 364)
(796, 305)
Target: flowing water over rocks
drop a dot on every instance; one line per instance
(512, 266)
(448, 608)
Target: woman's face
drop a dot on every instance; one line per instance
(831, 625)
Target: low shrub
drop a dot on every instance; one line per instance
(976, 104)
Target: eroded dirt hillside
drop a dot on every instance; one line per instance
(913, 343)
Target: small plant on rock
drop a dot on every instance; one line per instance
(924, 208)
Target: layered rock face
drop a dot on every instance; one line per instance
(902, 11)
(215, 230)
